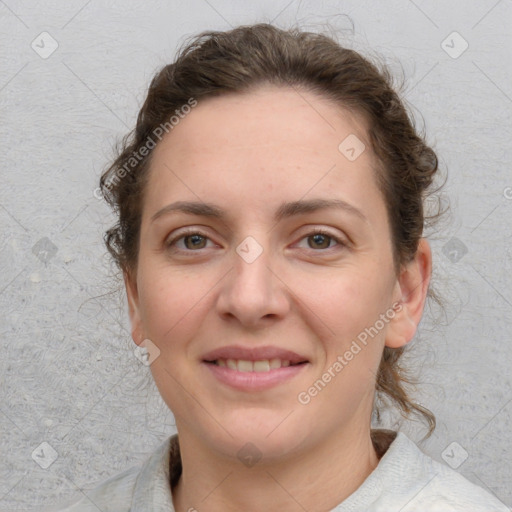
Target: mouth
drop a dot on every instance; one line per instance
(253, 369)
(259, 366)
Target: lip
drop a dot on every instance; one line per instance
(254, 354)
(253, 381)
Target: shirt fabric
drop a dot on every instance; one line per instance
(405, 480)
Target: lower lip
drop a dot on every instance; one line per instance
(254, 381)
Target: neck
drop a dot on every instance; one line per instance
(318, 478)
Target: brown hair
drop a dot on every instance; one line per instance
(216, 63)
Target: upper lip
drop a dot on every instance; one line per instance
(254, 354)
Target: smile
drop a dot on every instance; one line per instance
(264, 365)
(253, 376)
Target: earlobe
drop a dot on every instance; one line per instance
(411, 292)
(132, 297)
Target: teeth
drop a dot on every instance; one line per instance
(275, 363)
(243, 365)
(261, 366)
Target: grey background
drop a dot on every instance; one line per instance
(68, 375)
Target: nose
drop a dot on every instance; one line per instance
(253, 293)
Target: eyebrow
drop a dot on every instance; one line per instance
(286, 210)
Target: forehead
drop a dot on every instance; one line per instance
(266, 116)
(263, 144)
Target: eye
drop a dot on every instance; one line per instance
(192, 240)
(320, 239)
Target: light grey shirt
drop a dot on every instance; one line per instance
(405, 480)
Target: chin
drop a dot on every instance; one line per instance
(261, 436)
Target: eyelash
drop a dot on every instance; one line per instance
(169, 244)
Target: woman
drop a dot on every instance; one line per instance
(270, 206)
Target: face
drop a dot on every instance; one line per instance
(258, 294)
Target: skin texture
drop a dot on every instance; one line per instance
(248, 153)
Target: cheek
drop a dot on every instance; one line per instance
(353, 348)
(353, 308)
(354, 302)
(170, 304)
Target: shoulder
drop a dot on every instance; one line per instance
(419, 483)
(133, 489)
(448, 490)
(408, 480)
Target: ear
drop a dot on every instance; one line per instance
(410, 293)
(132, 295)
